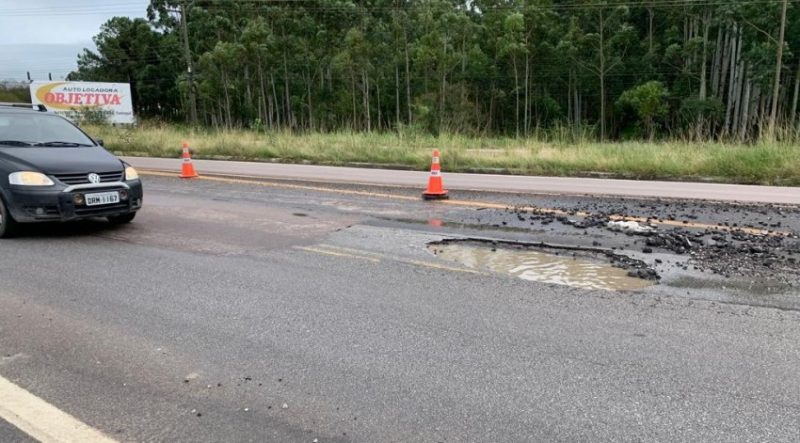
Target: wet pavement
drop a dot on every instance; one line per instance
(729, 252)
(577, 269)
(289, 311)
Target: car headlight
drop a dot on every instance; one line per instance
(131, 174)
(29, 178)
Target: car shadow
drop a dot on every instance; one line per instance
(90, 227)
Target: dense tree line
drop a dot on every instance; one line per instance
(609, 68)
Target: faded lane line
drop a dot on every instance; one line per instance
(336, 254)
(615, 217)
(473, 204)
(42, 421)
(273, 184)
(426, 264)
(407, 261)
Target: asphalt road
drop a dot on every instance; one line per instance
(10, 434)
(284, 312)
(488, 182)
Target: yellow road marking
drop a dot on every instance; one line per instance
(340, 251)
(472, 203)
(426, 264)
(336, 254)
(273, 184)
(359, 251)
(42, 421)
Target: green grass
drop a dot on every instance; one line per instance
(762, 163)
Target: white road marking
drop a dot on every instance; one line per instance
(43, 421)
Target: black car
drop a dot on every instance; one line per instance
(50, 170)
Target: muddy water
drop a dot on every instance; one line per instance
(539, 266)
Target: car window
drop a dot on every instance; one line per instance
(40, 128)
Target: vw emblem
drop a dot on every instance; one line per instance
(94, 178)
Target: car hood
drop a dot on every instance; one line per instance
(62, 160)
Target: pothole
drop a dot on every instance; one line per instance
(575, 267)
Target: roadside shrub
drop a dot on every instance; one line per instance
(648, 102)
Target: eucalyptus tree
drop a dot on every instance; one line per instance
(732, 68)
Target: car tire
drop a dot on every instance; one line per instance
(122, 219)
(8, 226)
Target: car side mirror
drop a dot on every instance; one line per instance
(99, 141)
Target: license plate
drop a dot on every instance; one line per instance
(102, 198)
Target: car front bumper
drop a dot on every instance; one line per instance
(39, 205)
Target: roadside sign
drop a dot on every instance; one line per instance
(70, 99)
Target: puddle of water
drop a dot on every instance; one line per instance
(539, 266)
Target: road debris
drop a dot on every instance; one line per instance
(629, 226)
(191, 377)
(719, 238)
(588, 268)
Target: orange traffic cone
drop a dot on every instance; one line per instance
(187, 171)
(435, 189)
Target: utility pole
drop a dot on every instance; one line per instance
(189, 70)
(778, 67)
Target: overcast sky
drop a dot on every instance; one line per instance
(46, 36)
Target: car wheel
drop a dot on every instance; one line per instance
(8, 226)
(122, 219)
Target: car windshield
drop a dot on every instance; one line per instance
(40, 129)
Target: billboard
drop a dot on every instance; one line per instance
(71, 98)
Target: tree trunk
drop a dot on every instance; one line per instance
(289, 115)
(795, 96)
(570, 85)
(353, 95)
(443, 91)
(527, 89)
(228, 116)
(290, 121)
(745, 119)
(578, 114)
(267, 113)
(378, 98)
(602, 78)
(716, 65)
(189, 67)
(741, 78)
(397, 95)
(274, 102)
(248, 91)
(651, 14)
(733, 93)
(309, 101)
(490, 119)
(365, 90)
(776, 87)
(760, 118)
(516, 94)
(408, 79)
(703, 69)
(726, 60)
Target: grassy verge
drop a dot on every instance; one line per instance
(764, 163)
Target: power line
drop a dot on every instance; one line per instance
(251, 6)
